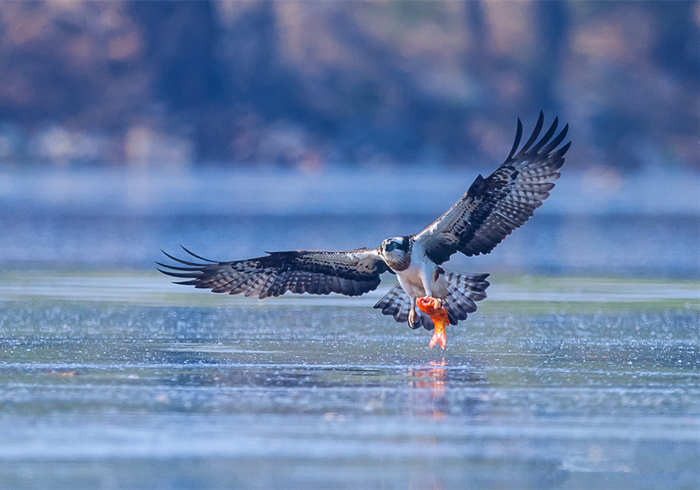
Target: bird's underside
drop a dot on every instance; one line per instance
(490, 210)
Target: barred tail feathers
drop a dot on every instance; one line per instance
(395, 303)
(463, 291)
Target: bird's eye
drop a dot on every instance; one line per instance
(390, 246)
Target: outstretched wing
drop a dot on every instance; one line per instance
(350, 273)
(496, 205)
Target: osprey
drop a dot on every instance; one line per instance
(489, 211)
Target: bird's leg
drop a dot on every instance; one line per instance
(426, 277)
(438, 314)
(413, 319)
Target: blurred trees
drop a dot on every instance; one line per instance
(305, 83)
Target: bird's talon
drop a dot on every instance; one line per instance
(413, 319)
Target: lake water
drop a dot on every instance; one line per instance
(124, 381)
(642, 226)
(580, 370)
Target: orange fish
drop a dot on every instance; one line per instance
(433, 308)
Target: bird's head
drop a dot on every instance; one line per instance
(396, 250)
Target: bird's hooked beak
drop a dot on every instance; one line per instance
(385, 244)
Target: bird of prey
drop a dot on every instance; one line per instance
(490, 210)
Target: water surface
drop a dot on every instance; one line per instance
(121, 380)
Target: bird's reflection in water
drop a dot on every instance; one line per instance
(432, 376)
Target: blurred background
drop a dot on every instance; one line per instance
(237, 127)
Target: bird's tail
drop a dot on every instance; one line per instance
(463, 291)
(395, 303)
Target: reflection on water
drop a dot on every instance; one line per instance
(125, 385)
(432, 377)
(129, 382)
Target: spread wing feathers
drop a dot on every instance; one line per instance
(463, 291)
(350, 273)
(496, 205)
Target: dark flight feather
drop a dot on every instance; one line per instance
(351, 273)
(496, 205)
